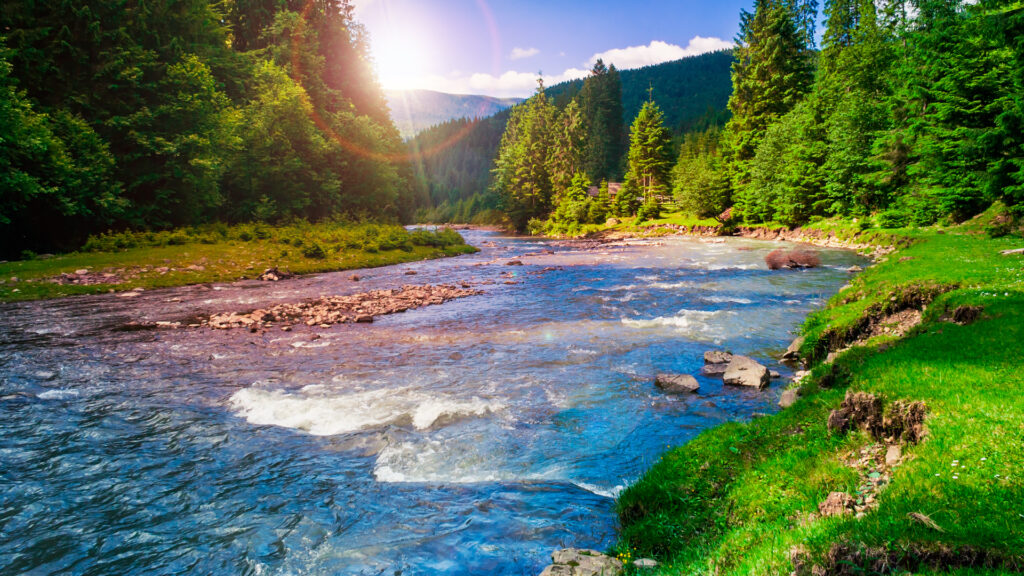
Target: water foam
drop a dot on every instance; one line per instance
(686, 320)
(726, 300)
(318, 412)
(453, 462)
(58, 394)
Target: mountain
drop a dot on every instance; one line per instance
(457, 157)
(692, 92)
(417, 110)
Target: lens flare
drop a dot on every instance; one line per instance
(408, 154)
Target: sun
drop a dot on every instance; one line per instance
(403, 52)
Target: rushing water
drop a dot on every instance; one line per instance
(469, 438)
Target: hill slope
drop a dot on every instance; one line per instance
(693, 92)
(416, 110)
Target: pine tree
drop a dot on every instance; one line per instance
(601, 104)
(521, 171)
(772, 73)
(570, 145)
(650, 149)
(701, 186)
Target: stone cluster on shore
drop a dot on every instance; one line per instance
(331, 310)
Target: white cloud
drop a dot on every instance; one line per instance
(521, 53)
(514, 83)
(658, 52)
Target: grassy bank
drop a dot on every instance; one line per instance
(218, 253)
(744, 498)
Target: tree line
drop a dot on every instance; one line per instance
(457, 156)
(152, 114)
(910, 113)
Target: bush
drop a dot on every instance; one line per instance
(314, 251)
(649, 211)
(893, 219)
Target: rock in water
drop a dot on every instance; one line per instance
(793, 352)
(575, 562)
(713, 369)
(743, 371)
(717, 357)
(677, 383)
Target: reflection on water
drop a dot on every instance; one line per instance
(468, 438)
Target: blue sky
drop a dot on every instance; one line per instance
(496, 47)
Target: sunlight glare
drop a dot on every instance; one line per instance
(402, 52)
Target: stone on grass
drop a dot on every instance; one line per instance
(837, 504)
(893, 455)
(788, 398)
(743, 371)
(576, 562)
(677, 383)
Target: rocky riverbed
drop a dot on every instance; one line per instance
(328, 311)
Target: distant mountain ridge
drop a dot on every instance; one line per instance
(416, 110)
(693, 93)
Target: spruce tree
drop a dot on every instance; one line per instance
(522, 176)
(650, 149)
(772, 72)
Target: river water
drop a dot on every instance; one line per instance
(473, 437)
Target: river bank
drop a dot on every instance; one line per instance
(848, 477)
(127, 262)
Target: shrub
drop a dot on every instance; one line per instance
(649, 211)
(893, 219)
(314, 251)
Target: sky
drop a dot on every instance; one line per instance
(497, 47)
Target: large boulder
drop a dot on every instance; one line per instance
(713, 369)
(717, 357)
(743, 371)
(677, 383)
(576, 562)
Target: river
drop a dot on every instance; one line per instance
(473, 437)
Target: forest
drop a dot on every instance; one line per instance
(458, 175)
(154, 115)
(909, 113)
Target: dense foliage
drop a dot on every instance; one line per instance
(909, 114)
(458, 155)
(913, 114)
(161, 114)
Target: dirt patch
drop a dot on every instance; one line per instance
(326, 312)
(904, 421)
(850, 559)
(86, 278)
(965, 315)
(896, 324)
(895, 316)
(858, 410)
(837, 504)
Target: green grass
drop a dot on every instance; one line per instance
(220, 253)
(737, 499)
